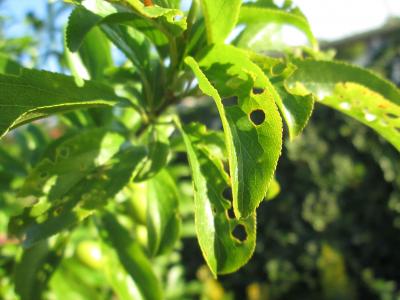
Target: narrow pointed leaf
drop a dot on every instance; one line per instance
(222, 250)
(132, 257)
(295, 109)
(252, 126)
(37, 94)
(163, 222)
(41, 259)
(356, 92)
(221, 17)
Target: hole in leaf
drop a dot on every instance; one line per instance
(227, 194)
(231, 101)
(397, 129)
(231, 213)
(257, 91)
(392, 116)
(239, 232)
(257, 117)
(226, 168)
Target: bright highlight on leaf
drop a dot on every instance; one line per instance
(353, 91)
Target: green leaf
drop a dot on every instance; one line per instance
(267, 21)
(9, 66)
(273, 191)
(252, 126)
(158, 150)
(96, 54)
(37, 94)
(58, 196)
(133, 43)
(163, 222)
(227, 243)
(356, 92)
(295, 109)
(34, 269)
(119, 279)
(132, 257)
(221, 17)
(157, 23)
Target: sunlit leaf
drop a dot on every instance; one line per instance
(356, 92)
(252, 124)
(220, 18)
(264, 25)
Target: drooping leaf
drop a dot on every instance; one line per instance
(353, 91)
(252, 126)
(226, 242)
(220, 18)
(37, 94)
(264, 24)
(59, 197)
(163, 222)
(132, 258)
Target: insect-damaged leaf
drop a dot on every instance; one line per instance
(295, 109)
(226, 243)
(37, 94)
(356, 92)
(57, 197)
(252, 126)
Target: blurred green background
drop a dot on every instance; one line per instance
(333, 232)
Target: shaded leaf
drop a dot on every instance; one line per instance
(37, 94)
(62, 197)
(163, 222)
(158, 150)
(34, 269)
(223, 250)
(132, 258)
